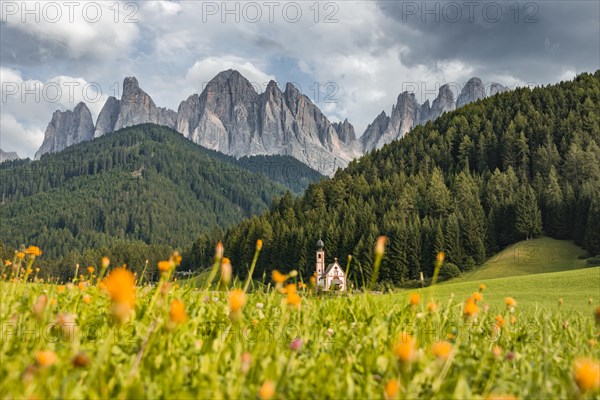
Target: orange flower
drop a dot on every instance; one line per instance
(471, 308)
(105, 262)
(499, 321)
(510, 302)
(414, 299)
(477, 297)
(46, 358)
(60, 288)
(120, 286)
(177, 312)
(266, 391)
(33, 251)
(237, 300)
(219, 251)
(259, 244)
(587, 374)
(90, 270)
(165, 266)
(482, 287)
(175, 258)
(380, 246)
(293, 299)
(290, 288)
(497, 352)
(226, 270)
(441, 349)
(86, 298)
(392, 389)
(440, 257)
(20, 255)
(405, 348)
(40, 305)
(432, 307)
(277, 276)
(7, 263)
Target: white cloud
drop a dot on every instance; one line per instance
(16, 137)
(28, 104)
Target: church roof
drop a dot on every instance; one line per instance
(330, 267)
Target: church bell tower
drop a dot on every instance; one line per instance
(320, 259)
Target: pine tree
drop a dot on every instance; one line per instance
(529, 217)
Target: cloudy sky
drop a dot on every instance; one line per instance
(352, 58)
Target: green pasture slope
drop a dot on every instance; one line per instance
(534, 272)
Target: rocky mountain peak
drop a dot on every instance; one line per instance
(472, 91)
(496, 88)
(67, 128)
(8, 156)
(130, 87)
(444, 102)
(345, 131)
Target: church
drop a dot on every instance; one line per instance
(332, 278)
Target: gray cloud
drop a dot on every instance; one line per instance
(534, 41)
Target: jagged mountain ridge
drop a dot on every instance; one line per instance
(8, 156)
(407, 113)
(229, 116)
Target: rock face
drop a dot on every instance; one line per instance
(444, 102)
(496, 88)
(108, 117)
(135, 107)
(406, 114)
(474, 90)
(231, 117)
(8, 156)
(67, 128)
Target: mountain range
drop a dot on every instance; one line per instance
(229, 116)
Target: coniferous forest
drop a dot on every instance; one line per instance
(133, 195)
(511, 167)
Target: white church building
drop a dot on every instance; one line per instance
(332, 277)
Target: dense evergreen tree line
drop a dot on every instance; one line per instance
(142, 186)
(494, 172)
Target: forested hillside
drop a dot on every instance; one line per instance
(142, 185)
(506, 168)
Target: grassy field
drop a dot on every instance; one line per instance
(545, 290)
(105, 337)
(527, 257)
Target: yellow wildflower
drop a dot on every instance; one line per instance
(414, 299)
(441, 349)
(587, 374)
(46, 358)
(392, 389)
(266, 391)
(405, 348)
(177, 312)
(277, 276)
